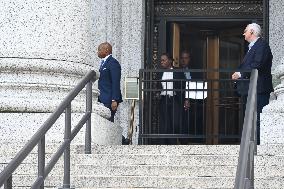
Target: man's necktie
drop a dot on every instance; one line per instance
(187, 75)
(102, 63)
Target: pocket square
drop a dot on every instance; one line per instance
(104, 68)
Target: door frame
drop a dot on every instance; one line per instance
(156, 24)
(152, 51)
(162, 34)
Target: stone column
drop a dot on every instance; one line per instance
(46, 49)
(272, 118)
(276, 20)
(121, 22)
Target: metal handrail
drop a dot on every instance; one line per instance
(39, 138)
(245, 170)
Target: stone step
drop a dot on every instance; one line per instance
(134, 181)
(192, 166)
(270, 149)
(269, 172)
(269, 160)
(10, 149)
(150, 182)
(269, 166)
(142, 170)
(105, 159)
(133, 149)
(167, 149)
(166, 160)
(269, 183)
(162, 171)
(154, 170)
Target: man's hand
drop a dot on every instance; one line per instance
(186, 104)
(113, 105)
(236, 75)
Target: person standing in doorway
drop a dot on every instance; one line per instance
(184, 64)
(258, 57)
(109, 81)
(193, 114)
(170, 101)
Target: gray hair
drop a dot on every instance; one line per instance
(255, 28)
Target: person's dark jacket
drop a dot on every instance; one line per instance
(178, 83)
(109, 81)
(258, 57)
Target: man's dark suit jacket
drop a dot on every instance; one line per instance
(258, 57)
(109, 81)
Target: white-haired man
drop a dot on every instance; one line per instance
(258, 57)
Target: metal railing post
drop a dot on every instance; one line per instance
(251, 166)
(141, 115)
(67, 135)
(41, 159)
(8, 183)
(88, 124)
(255, 125)
(247, 183)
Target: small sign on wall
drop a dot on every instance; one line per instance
(131, 88)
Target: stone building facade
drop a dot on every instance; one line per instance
(48, 46)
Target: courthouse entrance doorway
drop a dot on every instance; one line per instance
(213, 45)
(212, 32)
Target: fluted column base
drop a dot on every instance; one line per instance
(272, 116)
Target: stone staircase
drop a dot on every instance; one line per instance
(269, 166)
(192, 166)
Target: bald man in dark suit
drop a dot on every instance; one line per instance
(109, 81)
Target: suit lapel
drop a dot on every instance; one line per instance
(251, 50)
(246, 56)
